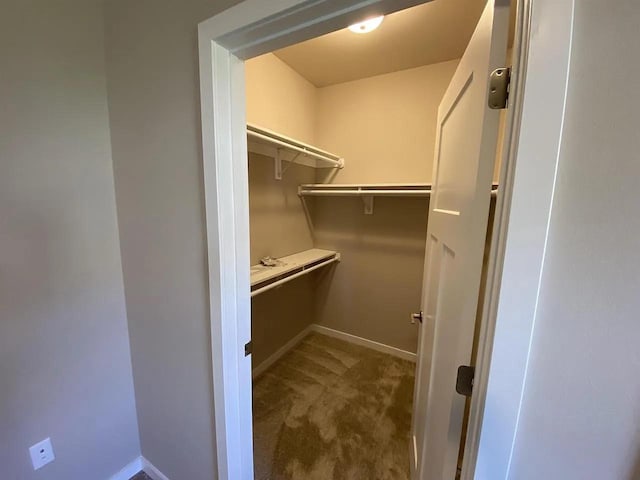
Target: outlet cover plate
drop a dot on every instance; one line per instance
(41, 453)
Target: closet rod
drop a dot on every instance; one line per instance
(371, 193)
(295, 275)
(366, 193)
(338, 163)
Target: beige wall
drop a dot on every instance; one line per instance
(65, 364)
(279, 227)
(383, 126)
(378, 282)
(154, 104)
(279, 315)
(279, 221)
(279, 99)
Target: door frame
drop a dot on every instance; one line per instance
(534, 125)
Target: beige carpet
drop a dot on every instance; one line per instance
(332, 410)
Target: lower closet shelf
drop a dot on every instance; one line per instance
(264, 278)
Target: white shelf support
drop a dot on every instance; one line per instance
(282, 148)
(277, 165)
(368, 204)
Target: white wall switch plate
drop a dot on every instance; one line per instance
(41, 453)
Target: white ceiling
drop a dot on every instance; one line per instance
(433, 32)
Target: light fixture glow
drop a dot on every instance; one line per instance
(366, 26)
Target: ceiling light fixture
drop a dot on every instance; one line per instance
(366, 26)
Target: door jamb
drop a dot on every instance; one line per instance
(253, 27)
(523, 213)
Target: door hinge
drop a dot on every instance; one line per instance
(499, 88)
(464, 380)
(247, 348)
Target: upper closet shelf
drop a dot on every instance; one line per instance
(367, 191)
(282, 148)
(287, 268)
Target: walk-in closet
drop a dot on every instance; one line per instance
(341, 134)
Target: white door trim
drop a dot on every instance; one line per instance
(527, 179)
(255, 26)
(227, 242)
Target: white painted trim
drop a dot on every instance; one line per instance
(527, 179)
(243, 14)
(224, 145)
(136, 466)
(129, 470)
(281, 352)
(254, 27)
(364, 342)
(565, 15)
(151, 470)
(314, 327)
(496, 255)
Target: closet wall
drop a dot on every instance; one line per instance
(281, 100)
(384, 127)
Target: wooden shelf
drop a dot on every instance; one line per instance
(265, 278)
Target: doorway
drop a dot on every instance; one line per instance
(221, 78)
(370, 101)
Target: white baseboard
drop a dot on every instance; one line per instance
(152, 471)
(260, 369)
(136, 466)
(129, 470)
(380, 347)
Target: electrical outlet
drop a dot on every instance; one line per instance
(41, 453)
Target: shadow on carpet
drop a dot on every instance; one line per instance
(333, 410)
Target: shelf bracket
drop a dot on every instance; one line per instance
(368, 204)
(277, 165)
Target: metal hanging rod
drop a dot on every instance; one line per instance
(302, 272)
(368, 191)
(364, 193)
(382, 190)
(264, 278)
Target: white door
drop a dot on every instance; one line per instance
(466, 137)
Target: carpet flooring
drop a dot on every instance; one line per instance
(331, 410)
(140, 476)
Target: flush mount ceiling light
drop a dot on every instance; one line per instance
(366, 26)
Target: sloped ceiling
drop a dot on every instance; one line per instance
(433, 32)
